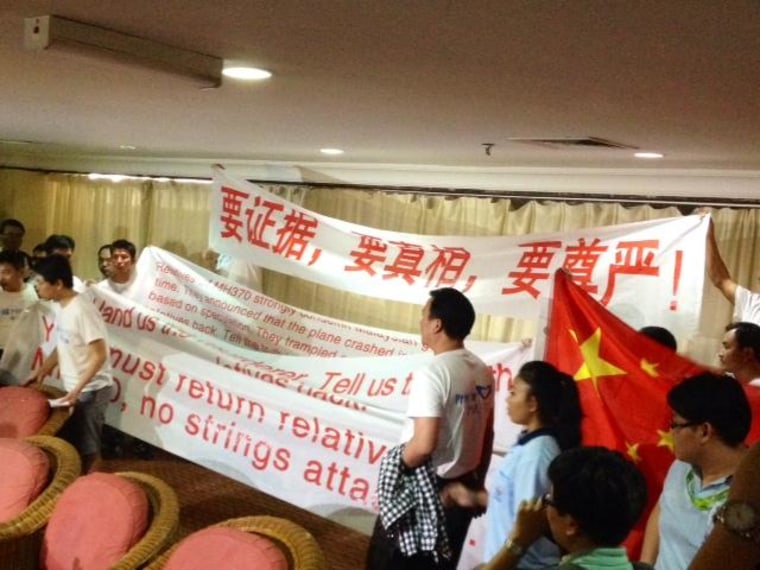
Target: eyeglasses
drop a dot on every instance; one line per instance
(680, 425)
(548, 501)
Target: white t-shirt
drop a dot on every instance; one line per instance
(240, 271)
(120, 288)
(457, 387)
(746, 305)
(11, 307)
(79, 324)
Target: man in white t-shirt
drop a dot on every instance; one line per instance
(746, 303)
(449, 420)
(122, 267)
(82, 355)
(15, 295)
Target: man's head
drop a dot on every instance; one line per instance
(12, 270)
(59, 244)
(708, 410)
(740, 348)
(123, 254)
(54, 277)
(39, 252)
(597, 497)
(449, 313)
(662, 336)
(12, 234)
(104, 260)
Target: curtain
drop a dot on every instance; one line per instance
(173, 214)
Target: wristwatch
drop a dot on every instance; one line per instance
(741, 518)
(513, 548)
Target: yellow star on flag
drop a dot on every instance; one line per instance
(632, 449)
(594, 365)
(666, 439)
(650, 367)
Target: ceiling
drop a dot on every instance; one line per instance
(420, 84)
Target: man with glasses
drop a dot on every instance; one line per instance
(711, 419)
(596, 498)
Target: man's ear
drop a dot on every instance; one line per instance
(572, 528)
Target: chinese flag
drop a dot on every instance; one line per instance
(623, 378)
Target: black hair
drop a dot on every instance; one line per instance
(455, 311)
(747, 336)
(558, 401)
(11, 222)
(39, 247)
(16, 259)
(126, 245)
(105, 246)
(603, 491)
(59, 241)
(54, 268)
(662, 336)
(718, 400)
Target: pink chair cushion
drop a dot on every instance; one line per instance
(23, 411)
(95, 522)
(228, 548)
(24, 472)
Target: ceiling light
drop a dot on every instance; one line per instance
(246, 73)
(127, 147)
(331, 151)
(648, 155)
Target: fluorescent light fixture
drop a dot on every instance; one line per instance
(331, 151)
(54, 32)
(648, 155)
(246, 73)
(127, 147)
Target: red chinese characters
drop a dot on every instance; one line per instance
(232, 205)
(440, 266)
(580, 261)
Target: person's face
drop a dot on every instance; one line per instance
(558, 523)
(45, 290)
(521, 404)
(11, 279)
(12, 237)
(66, 252)
(428, 325)
(731, 356)
(121, 261)
(104, 262)
(686, 436)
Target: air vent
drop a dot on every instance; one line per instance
(574, 142)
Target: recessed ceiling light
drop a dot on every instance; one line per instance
(246, 73)
(331, 151)
(648, 155)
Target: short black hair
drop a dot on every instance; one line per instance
(662, 336)
(603, 491)
(59, 241)
(716, 399)
(455, 311)
(54, 268)
(747, 336)
(126, 245)
(16, 259)
(11, 222)
(105, 246)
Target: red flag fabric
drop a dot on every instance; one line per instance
(623, 378)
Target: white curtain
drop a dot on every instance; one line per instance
(174, 215)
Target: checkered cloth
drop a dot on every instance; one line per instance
(410, 509)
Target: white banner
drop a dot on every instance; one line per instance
(661, 261)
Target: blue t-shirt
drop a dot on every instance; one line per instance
(522, 475)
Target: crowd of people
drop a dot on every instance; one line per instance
(552, 502)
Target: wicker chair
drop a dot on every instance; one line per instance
(58, 416)
(21, 537)
(300, 547)
(164, 521)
